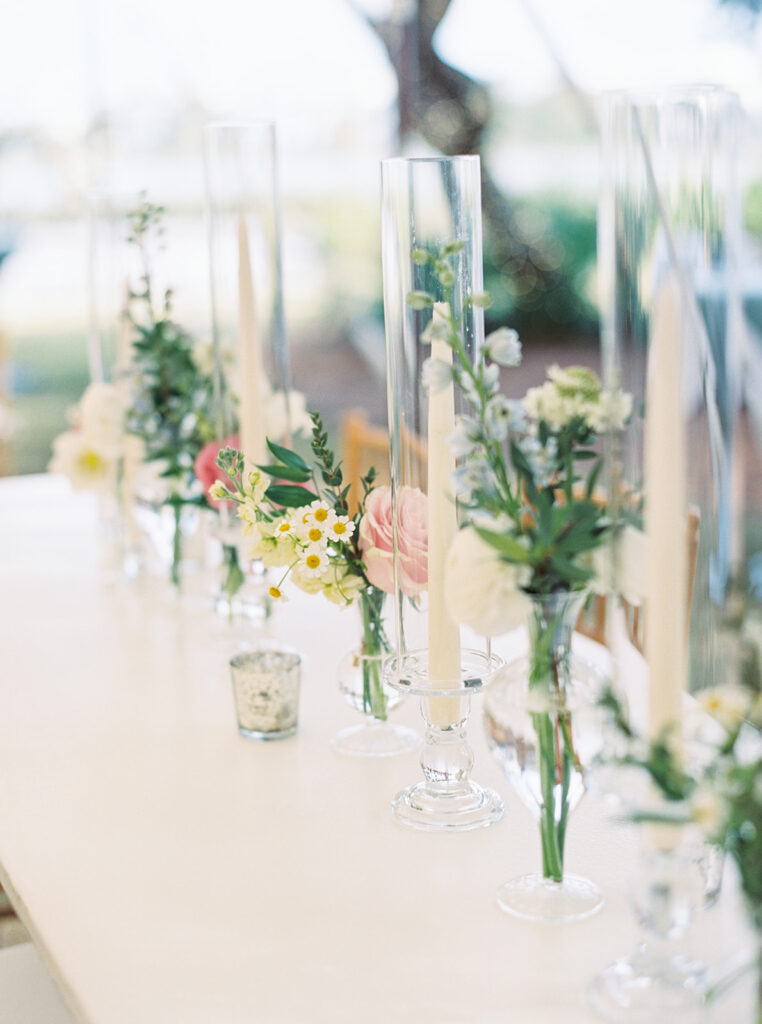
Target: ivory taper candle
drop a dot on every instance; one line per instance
(251, 379)
(665, 514)
(444, 634)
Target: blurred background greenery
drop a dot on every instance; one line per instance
(513, 80)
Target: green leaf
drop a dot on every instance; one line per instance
(593, 479)
(289, 496)
(283, 472)
(508, 546)
(287, 457)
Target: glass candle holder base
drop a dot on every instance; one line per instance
(375, 739)
(643, 988)
(277, 734)
(447, 800)
(535, 898)
(432, 809)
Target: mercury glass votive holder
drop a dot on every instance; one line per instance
(266, 692)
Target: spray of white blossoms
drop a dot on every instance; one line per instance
(527, 470)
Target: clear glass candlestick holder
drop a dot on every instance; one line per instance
(659, 981)
(447, 799)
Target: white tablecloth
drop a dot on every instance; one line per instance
(172, 872)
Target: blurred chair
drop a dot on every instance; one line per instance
(592, 618)
(362, 446)
(27, 992)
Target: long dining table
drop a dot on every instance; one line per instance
(171, 871)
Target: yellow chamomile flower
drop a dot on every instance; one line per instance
(314, 562)
(277, 594)
(341, 528)
(309, 530)
(318, 512)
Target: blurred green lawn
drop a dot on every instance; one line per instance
(48, 373)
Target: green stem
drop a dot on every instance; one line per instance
(234, 577)
(177, 544)
(374, 645)
(550, 647)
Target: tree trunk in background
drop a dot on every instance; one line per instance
(451, 112)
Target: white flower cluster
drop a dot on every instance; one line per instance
(576, 393)
(308, 543)
(96, 449)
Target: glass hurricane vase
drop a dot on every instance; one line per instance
(361, 681)
(543, 728)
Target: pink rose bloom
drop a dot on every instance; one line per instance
(206, 469)
(412, 540)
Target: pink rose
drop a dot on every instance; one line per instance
(206, 469)
(412, 540)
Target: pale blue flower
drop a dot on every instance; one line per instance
(542, 459)
(491, 380)
(436, 375)
(474, 475)
(465, 438)
(498, 414)
(503, 347)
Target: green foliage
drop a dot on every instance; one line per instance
(553, 296)
(171, 408)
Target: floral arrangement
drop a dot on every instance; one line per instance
(297, 519)
(526, 482)
(96, 453)
(520, 478)
(720, 791)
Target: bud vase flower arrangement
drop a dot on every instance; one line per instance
(534, 525)
(171, 395)
(717, 791)
(297, 519)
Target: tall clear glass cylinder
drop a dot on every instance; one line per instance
(252, 374)
(112, 264)
(432, 244)
(668, 237)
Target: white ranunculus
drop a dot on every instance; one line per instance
(726, 704)
(279, 417)
(482, 591)
(86, 466)
(100, 417)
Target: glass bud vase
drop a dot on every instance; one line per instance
(543, 728)
(361, 681)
